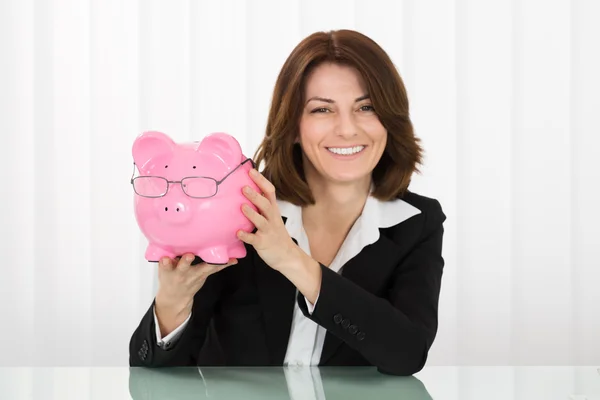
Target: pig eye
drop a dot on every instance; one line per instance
(194, 167)
(166, 166)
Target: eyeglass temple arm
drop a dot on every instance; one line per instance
(132, 173)
(239, 165)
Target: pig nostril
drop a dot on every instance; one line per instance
(166, 209)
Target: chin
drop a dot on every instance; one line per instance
(346, 177)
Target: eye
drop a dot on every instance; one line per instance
(166, 166)
(194, 167)
(367, 108)
(319, 110)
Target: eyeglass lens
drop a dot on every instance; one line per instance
(150, 186)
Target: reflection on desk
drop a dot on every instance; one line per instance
(295, 383)
(439, 383)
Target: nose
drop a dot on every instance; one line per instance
(174, 210)
(346, 126)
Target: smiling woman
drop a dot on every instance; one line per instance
(351, 79)
(345, 264)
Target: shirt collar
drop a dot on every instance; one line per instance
(376, 214)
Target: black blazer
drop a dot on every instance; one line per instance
(382, 310)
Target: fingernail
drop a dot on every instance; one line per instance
(253, 171)
(189, 258)
(247, 189)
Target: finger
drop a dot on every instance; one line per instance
(263, 184)
(166, 263)
(185, 262)
(247, 237)
(259, 221)
(260, 201)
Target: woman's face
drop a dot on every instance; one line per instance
(340, 134)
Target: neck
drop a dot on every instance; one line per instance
(337, 206)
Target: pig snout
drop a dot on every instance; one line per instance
(174, 210)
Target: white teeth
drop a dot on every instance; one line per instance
(346, 150)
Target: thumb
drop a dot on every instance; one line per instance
(219, 267)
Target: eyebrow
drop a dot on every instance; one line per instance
(326, 100)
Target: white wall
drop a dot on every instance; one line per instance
(504, 95)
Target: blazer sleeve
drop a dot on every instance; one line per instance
(143, 347)
(396, 332)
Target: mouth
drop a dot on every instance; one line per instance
(346, 151)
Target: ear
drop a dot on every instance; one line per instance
(222, 145)
(149, 145)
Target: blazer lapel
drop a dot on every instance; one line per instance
(370, 270)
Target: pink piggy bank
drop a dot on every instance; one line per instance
(188, 196)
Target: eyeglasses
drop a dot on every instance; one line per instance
(197, 187)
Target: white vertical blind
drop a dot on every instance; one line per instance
(484, 126)
(503, 94)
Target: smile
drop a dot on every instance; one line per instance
(346, 151)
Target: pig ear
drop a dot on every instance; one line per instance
(149, 145)
(224, 146)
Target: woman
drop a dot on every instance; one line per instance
(345, 264)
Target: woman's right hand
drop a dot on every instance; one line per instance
(179, 281)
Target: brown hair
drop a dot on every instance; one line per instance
(282, 157)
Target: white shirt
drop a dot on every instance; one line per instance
(306, 338)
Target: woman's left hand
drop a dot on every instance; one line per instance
(271, 239)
